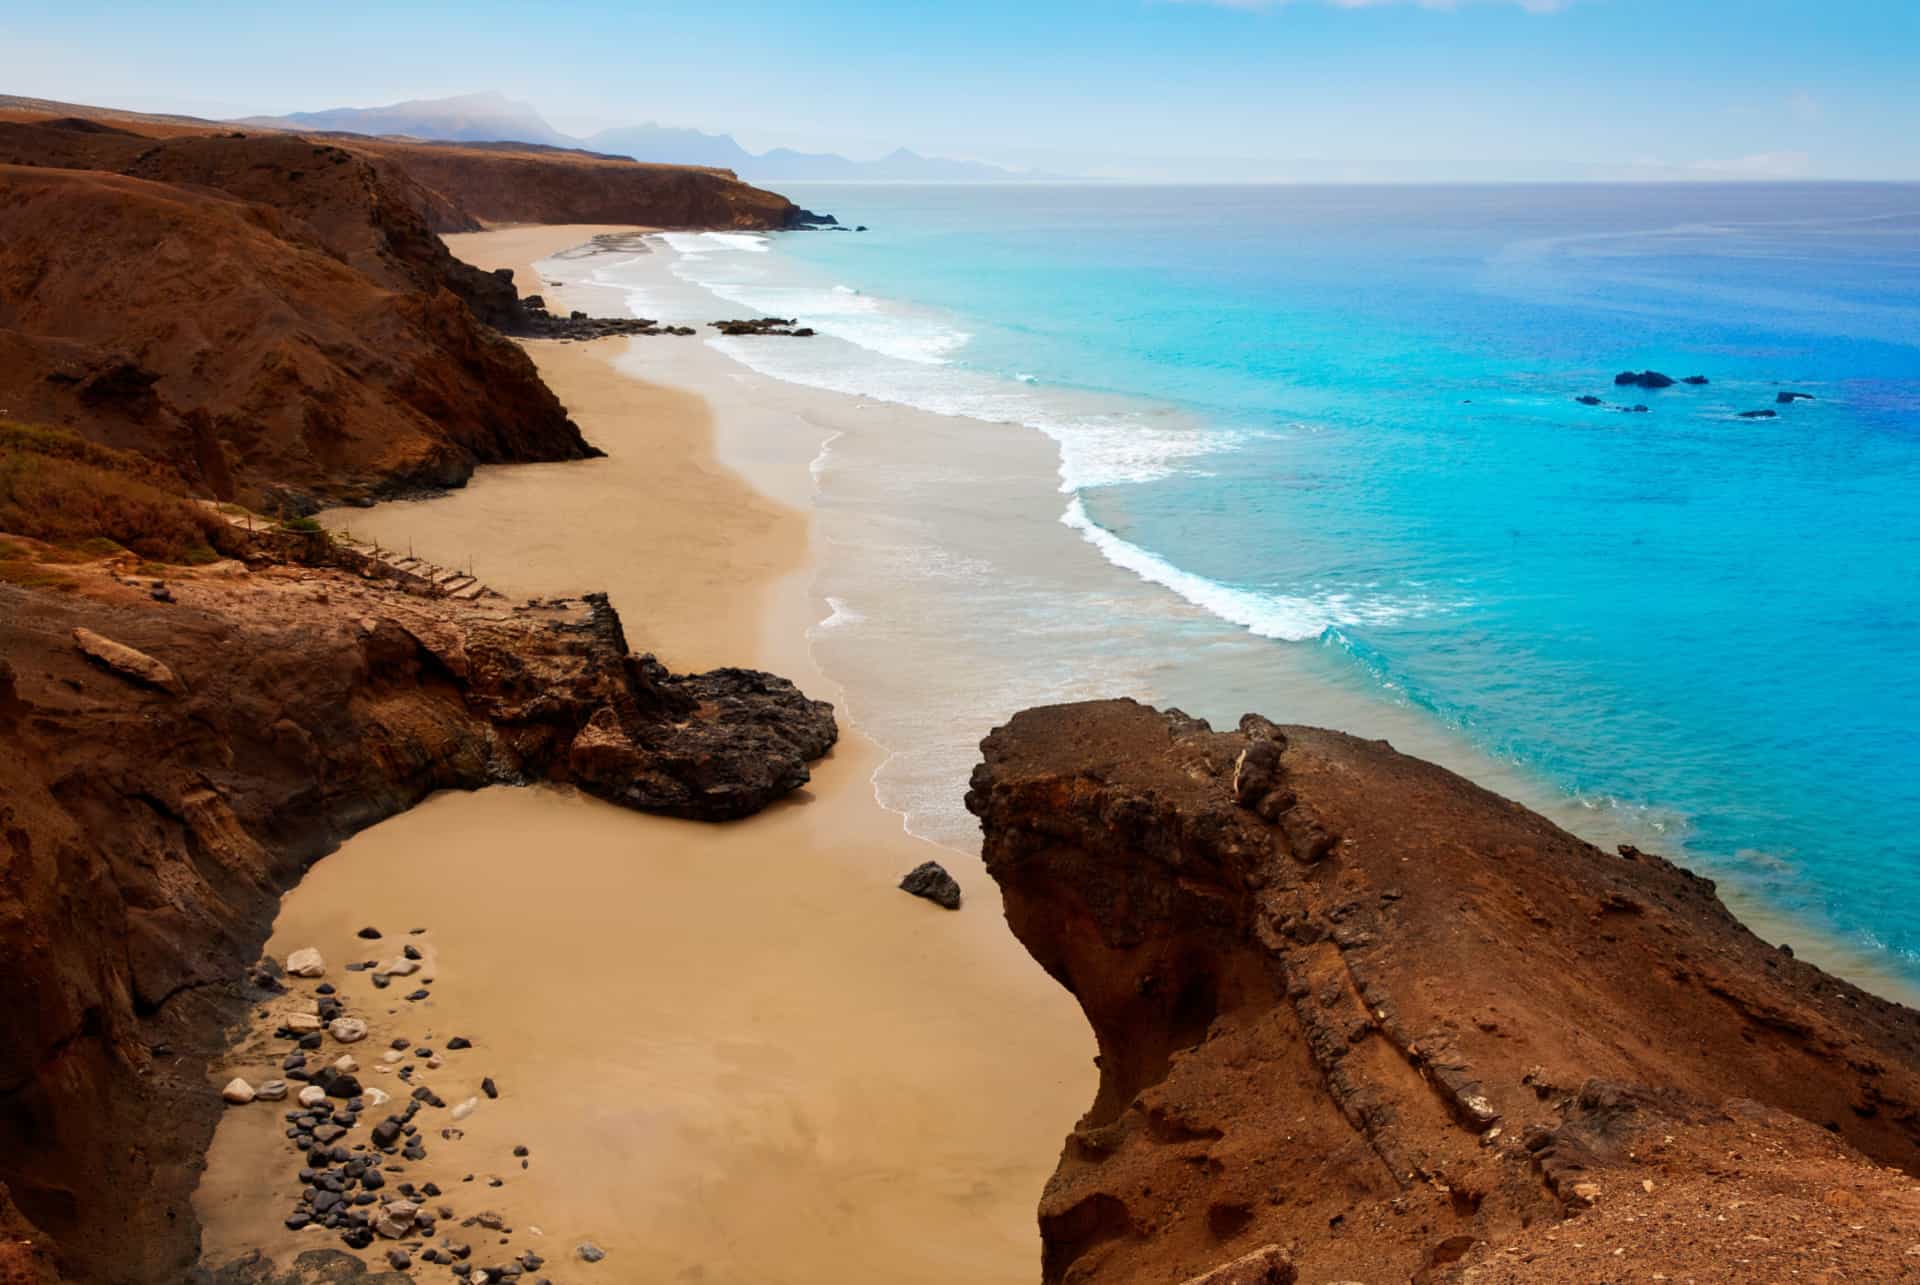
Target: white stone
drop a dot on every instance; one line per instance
(312, 1096)
(238, 1091)
(391, 1056)
(345, 1064)
(271, 1091)
(465, 1109)
(347, 1030)
(434, 1063)
(302, 1022)
(306, 963)
(377, 1097)
(401, 967)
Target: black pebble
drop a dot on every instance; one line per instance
(324, 988)
(520, 1151)
(410, 951)
(381, 981)
(423, 1052)
(419, 994)
(487, 1087)
(310, 1041)
(459, 1042)
(371, 934)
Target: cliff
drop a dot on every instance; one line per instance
(1360, 1019)
(497, 182)
(274, 317)
(177, 756)
(271, 319)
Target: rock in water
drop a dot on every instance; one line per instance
(306, 963)
(238, 1092)
(931, 880)
(1788, 399)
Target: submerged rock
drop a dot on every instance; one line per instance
(1788, 399)
(931, 881)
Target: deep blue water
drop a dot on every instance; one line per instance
(1359, 436)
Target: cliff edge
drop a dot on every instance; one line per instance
(1360, 1019)
(182, 742)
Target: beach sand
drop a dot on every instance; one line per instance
(734, 1052)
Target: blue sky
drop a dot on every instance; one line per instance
(1381, 89)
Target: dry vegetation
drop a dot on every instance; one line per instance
(88, 501)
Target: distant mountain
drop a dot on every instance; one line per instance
(493, 117)
(470, 118)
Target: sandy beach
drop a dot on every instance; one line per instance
(735, 1053)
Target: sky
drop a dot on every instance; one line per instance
(1172, 89)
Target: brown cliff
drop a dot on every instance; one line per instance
(1360, 1019)
(152, 816)
(268, 318)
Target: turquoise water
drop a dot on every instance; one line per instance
(1345, 419)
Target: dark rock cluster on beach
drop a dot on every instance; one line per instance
(763, 326)
(355, 1183)
(535, 322)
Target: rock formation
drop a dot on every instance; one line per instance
(1359, 1019)
(173, 765)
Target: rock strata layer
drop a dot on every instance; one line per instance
(1354, 1008)
(148, 827)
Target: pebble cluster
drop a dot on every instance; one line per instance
(352, 1181)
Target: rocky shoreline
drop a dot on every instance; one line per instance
(153, 822)
(1360, 1019)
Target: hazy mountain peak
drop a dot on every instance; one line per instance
(491, 116)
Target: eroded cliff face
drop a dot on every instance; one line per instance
(272, 319)
(171, 766)
(1359, 1019)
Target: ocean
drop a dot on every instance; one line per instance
(1324, 447)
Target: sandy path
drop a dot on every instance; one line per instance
(736, 1053)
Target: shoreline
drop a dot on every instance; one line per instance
(836, 1099)
(701, 437)
(983, 479)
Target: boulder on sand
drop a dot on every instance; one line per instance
(931, 880)
(306, 963)
(238, 1092)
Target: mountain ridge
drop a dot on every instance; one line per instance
(493, 117)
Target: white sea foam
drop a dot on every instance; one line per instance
(1287, 617)
(839, 615)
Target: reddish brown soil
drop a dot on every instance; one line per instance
(146, 831)
(1353, 1006)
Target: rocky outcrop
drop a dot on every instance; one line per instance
(509, 183)
(1352, 1006)
(257, 313)
(174, 764)
(1643, 379)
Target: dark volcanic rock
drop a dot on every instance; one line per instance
(762, 326)
(1759, 414)
(1788, 399)
(1589, 400)
(1359, 1027)
(1696, 380)
(930, 879)
(1643, 379)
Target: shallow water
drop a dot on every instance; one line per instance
(1324, 446)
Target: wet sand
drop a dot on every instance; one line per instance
(735, 1053)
